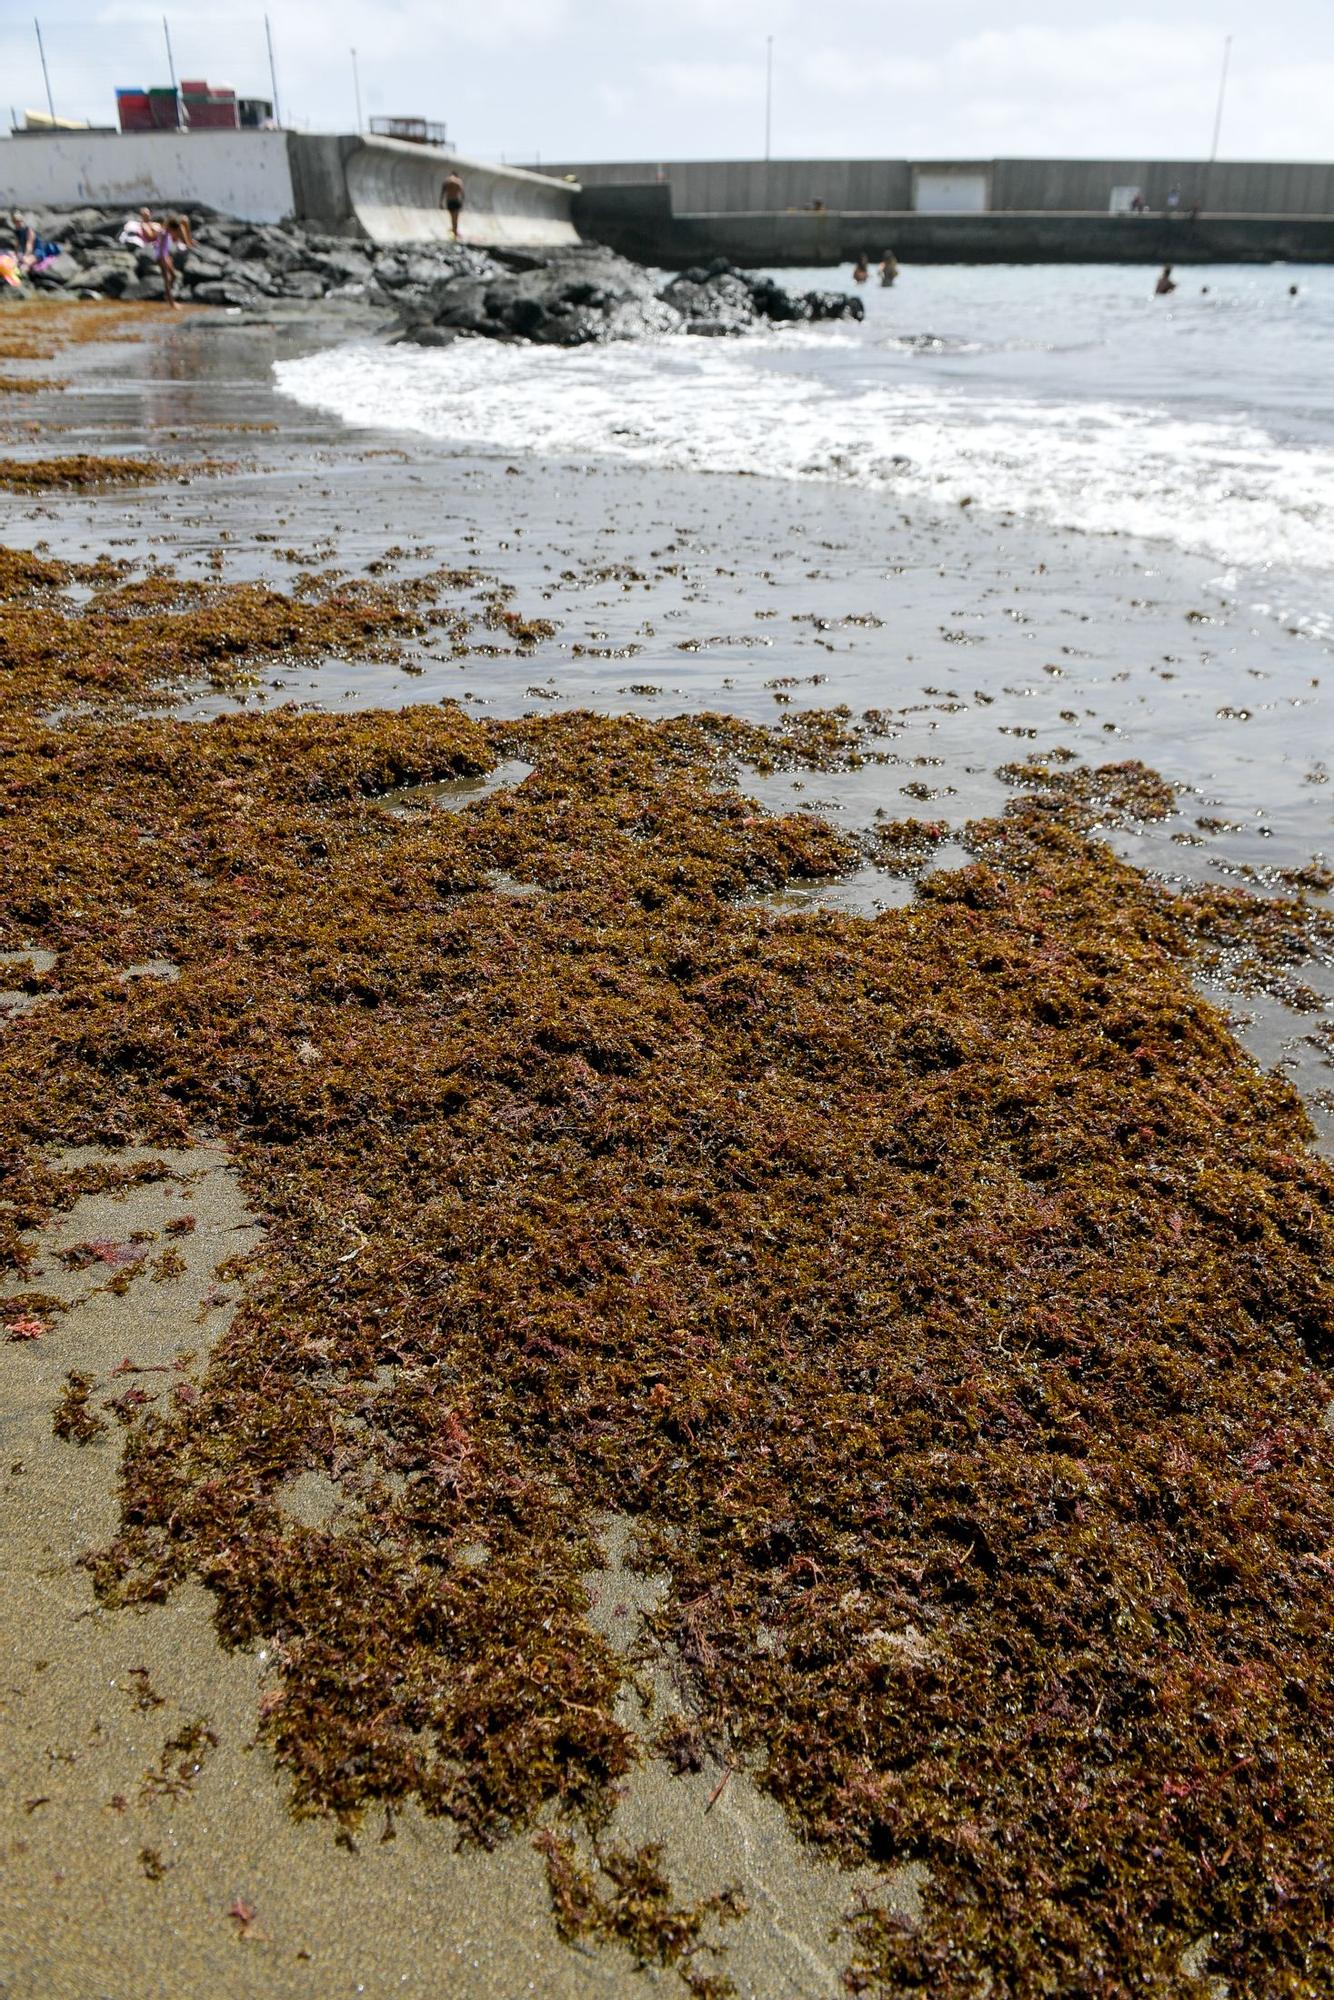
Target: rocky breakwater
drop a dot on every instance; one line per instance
(587, 294)
(236, 263)
(437, 292)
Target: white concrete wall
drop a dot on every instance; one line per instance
(239, 173)
(394, 189)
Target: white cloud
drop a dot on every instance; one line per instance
(583, 79)
(709, 83)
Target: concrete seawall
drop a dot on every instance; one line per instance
(640, 223)
(247, 174)
(1063, 187)
(348, 184)
(393, 191)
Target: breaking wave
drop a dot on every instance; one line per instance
(810, 407)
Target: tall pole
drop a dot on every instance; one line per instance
(768, 93)
(356, 86)
(273, 74)
(1222, 92)
(171, 63)
(46, 78)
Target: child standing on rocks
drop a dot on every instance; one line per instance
(173, 244)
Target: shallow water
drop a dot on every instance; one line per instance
(1068, 396)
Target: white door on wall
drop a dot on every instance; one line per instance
(946, 193)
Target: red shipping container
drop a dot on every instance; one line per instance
(133, 111)
(211, 114)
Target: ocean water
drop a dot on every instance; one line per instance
(1068, 395)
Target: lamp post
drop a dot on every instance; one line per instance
(46, 76)
(768, 93)
(1222, 92)
(171, 64)
(273, 72)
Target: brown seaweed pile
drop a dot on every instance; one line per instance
(86, 469)
(27, 385)
(1252, 942)
(36, 329)
(945, 1294)
(132, 643)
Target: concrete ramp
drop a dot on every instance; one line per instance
(393, 188)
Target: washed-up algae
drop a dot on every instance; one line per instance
(1253, 942)
(27, 385)
(946, 1295)
(130, 642)
(35, 329)
(87, 469)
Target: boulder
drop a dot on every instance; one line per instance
(341, 266)
(222, 292)
(62, 270)
(252, 277)
(831, 305)
(563, 298)
(723, 303)
(719, 299)
(303, 285)
(217, 236)
(77, 222)
(110, 273)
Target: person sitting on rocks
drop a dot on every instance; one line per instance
(32, 252)
(140, 231)
(25, 242)
(452, 199)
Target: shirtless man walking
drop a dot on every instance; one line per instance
(451, 197)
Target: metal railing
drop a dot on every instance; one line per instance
(420, 131)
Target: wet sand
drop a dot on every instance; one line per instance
(138, 1870)
(982, 642)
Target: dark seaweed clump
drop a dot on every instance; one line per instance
(627, 1899)
(37, 329)
(86, 469)
(947, 1296)
(135, 643)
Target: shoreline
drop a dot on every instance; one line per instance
(637, 853)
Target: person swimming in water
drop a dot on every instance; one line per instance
(889, 268)
(1166, 283)
(861, 270)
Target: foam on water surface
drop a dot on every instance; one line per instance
(1055, 396)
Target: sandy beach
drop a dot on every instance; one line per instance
(698, 901)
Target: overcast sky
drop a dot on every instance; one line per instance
(683, 79)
